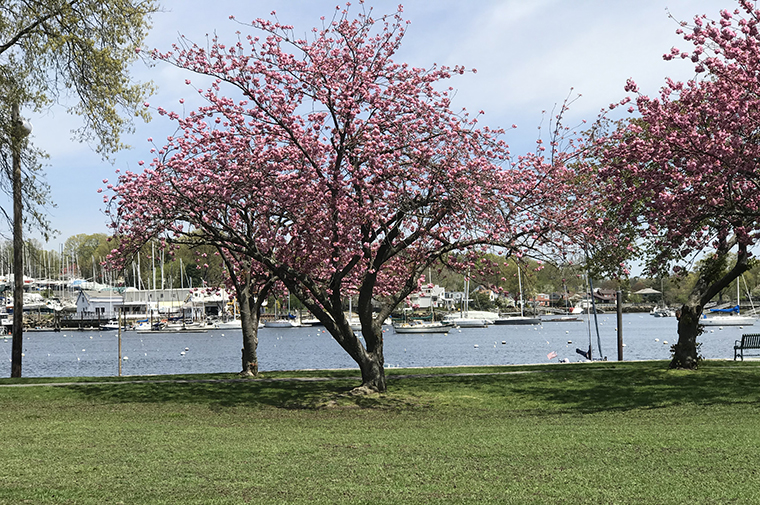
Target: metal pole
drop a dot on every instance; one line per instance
(120, 318)
(620, 325)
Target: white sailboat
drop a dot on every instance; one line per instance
(279, 322)
(728, 317)
(522, 318)
(465, 319)
(421, 327)
(355, 324)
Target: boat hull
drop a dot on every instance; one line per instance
(518, 320)
(279, 324)
(728, 321)
(469, 322)
(421, 328)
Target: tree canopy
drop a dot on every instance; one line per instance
(684, 173)
(340, 171)
(59, 50)
(51, 50)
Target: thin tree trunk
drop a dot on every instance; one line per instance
(249, 319)
(18, 247)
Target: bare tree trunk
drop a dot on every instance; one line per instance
(373, 371)
(710, 281)
(371, 360)
(685, 350)
(249, 320)
(18, 247)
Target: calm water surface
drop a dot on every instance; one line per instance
(80, 353)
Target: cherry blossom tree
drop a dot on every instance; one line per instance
(251, 285)
(684, 174)
(340, 172)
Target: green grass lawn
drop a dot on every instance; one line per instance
(602, 433)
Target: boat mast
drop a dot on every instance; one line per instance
(519, 286)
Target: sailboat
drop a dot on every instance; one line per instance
(662, 310)
(522, 318)
(423, 327)
(729, 316)
(464, 319)
(279, 322)
(355, 325)
(232, 322)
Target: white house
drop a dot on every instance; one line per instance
(430, 296)
(193, 304)
(103, 306)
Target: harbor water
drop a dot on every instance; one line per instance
(95, 353)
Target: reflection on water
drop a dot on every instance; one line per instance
(76, 353)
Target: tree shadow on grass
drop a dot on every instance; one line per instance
(287, 394)
(290, 394)
(583, 389)
(601, 388)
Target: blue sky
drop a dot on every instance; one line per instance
(528, 53)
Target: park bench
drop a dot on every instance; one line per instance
(748, 341)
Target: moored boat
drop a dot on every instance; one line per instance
(280, 323)
(419, 327)
(518, 320)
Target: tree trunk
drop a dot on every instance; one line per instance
(18, 247)
(249, 319)
(685, 350)
(371, 360)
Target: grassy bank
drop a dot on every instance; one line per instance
(596, 433)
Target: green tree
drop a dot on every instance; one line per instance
(55, 49)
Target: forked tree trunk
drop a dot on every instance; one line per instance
(370, 358)
(685, 353)
(373, 371)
